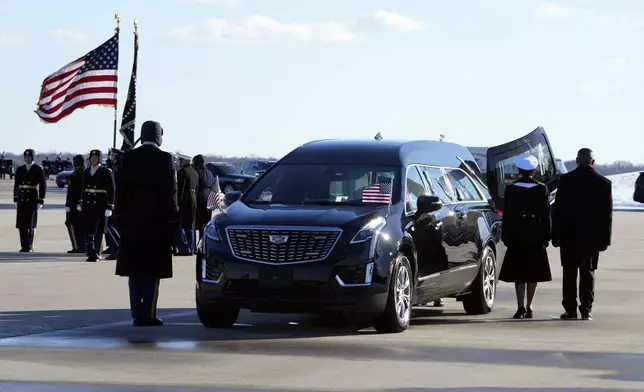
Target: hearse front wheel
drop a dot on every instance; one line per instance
(216, 316)
(481, 299)
(397, 313)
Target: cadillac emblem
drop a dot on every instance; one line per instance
(278, 239)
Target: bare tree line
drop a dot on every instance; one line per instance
(608, 169)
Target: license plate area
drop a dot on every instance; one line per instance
(275, 276)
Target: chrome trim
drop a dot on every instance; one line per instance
(290, 228)
(203, 274)
(368, 277)
(448, 271)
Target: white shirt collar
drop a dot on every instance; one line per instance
(150, 144)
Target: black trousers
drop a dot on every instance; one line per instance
(94, 236)
(144, 293)
(76, 237)
(582, 265)
(27, 238)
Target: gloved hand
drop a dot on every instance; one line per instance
(39, 206)
(79, 208)
(68, 210)
(108, 213)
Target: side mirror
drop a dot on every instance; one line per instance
(232, 197)
(427, 204)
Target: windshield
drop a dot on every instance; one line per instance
(326, 185)
(225, 169)
(263, 165)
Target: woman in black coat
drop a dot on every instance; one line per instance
(526, 234)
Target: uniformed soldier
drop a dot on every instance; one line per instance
(74, 194)
(187, 184)
(3, 167)
(29, 192)
(112, 236)
(206, 185)
(96, 204)
(526, 234)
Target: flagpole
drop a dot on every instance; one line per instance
(117, 31)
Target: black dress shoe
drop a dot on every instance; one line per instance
(520, 313)
(528, 313)
(586, 316)
(155, 322)
(568, 316)
(92, 259)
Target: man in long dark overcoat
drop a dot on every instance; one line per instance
(148, 219)
(581, 227)
(187, 182)
(206, 185)
(29, 190)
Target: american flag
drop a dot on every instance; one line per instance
(377, 193)
(216, 196)
(128, 121)
(90, 80)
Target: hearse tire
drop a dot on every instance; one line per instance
(216, 316)
(481, 299)
(397, 314)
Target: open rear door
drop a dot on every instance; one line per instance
(501, 171)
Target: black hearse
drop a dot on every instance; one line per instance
(368, 228)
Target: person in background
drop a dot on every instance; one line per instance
(148, 219)
(526, 234)
(3, 167)
(581, 228)
(29, 190)
(206, 185)
(112, 236)
(72, 216)
(187, 183)
(97, 203)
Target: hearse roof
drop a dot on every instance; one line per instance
(381, 152)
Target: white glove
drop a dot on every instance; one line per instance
(78, 207)
(67, 209)
(39, 206)
(108, 213)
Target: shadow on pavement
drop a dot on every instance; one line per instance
(40, 257)
(65, 387)
(11, 206)
(272, 335)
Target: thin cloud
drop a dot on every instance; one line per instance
(8, 39)
(261, 29)
(594, 90)
(614, 62)
(553, 11)
(68, 35)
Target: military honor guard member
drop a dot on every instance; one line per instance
(96, 204)
(29, 190)
(74, 195)
(526, 234)
(582, 222)
(187, 182)
(148, 219)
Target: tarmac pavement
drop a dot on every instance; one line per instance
(65, 326)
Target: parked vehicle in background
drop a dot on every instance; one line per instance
(256, 167)
(231, 179)
(62, 178)
(367, 228)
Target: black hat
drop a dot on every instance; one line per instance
(199, 161)
(79, 160)
(29, 153)
(152, 132)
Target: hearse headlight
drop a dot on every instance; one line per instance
(369, 230)
(210, 231)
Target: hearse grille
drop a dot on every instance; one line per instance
(282, 245)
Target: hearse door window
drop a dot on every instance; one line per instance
(436, 178)
(463, 186)
(415, 188)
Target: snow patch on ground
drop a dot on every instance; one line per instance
(623, 188)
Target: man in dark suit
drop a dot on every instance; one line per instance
(581, 227)
(206, 185)
(148, 220)
(187, 182)
(74, 194)
(96, 205)
(29, 190)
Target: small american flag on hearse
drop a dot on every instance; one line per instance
(377, 193)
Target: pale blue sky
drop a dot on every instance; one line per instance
(262, 76)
